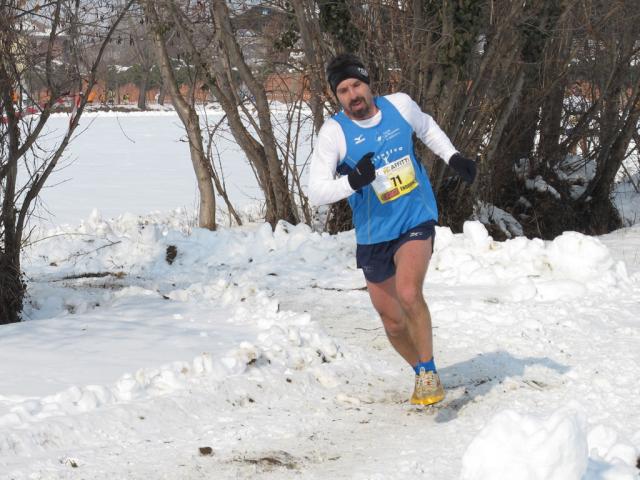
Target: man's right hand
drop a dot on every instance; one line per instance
(363, 174)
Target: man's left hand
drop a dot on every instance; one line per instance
(465, 168)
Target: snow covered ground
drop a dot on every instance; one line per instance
(158, 350)
(138, 161)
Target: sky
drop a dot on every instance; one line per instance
(257, 354)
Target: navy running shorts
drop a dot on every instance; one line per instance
(376, 260)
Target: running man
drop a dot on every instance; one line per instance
(365, 153)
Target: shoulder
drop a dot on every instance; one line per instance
(330, 142)
(408, 108)
(330, 129)
(400, 100)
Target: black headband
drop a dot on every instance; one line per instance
(347, 71)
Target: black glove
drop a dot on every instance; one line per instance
(465, 168)
(363, 174)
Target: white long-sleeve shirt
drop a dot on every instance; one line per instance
(331, 147)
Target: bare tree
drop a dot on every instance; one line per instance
(241, 93)
(33, 43)
(262, 149)
(139, 42)
(160, 14)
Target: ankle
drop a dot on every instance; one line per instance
(429, 366)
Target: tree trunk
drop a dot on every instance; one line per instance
(162, 94)
(284, 207)
(191, 122)
(144, 84)
(554, 85)
(12, 287)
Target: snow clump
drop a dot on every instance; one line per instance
(524, 447)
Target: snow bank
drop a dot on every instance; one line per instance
(514, 446)
(522, 447)
(134, 247)
(610, 457)
(204, 299)
(285, 341)
(223, 284)
(572, 265)
(133, 251)
(569, 266)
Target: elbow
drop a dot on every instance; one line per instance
(313, 195)
(325, 193)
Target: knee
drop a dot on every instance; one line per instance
(410, 297)
(393, 326)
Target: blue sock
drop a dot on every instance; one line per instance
(428, 366)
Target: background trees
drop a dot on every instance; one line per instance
(545, 93)
(520, 84)
(58, 46)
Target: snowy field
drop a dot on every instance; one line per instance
(155, 350)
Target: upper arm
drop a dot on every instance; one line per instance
(330, 147)
(326, 153)
(425, 127)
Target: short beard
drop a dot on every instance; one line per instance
(362, 113)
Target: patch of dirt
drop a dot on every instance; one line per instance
(270, 460)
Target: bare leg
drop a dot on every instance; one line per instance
(412, 260)
(385, 300)
(401, 305)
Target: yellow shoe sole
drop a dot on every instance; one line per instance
(427, 400)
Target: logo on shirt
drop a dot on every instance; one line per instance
(388, 135)
(359, 139)
(384, 156)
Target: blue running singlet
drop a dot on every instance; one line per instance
(401, 196)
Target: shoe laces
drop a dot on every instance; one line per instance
(427, 380)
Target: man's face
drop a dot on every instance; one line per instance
(356, 99)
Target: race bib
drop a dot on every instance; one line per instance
(395, 179)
